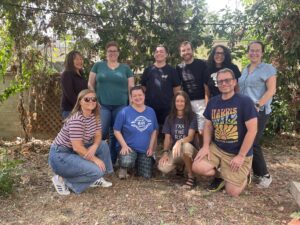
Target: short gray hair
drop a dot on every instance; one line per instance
(226, 70)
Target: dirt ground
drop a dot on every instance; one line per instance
(159, 200)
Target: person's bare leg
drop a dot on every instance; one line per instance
(234, 190)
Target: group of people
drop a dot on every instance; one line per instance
(198, 100)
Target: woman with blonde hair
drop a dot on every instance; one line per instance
(77, 155)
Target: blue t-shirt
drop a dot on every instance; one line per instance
(254, 84)
(178, 129)
(228, 118)
(136, 127)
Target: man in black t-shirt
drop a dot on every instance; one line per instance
(191, 72)
(160, 82)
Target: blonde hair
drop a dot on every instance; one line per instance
(77, 107)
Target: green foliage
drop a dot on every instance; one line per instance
(6, 50)
(276, 23)
(8, 172)
(139, 26)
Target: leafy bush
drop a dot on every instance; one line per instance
(8, 173)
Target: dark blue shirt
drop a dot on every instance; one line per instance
(228, 118)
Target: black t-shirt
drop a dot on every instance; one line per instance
(192, 78)
(159, 83)
(211, 77)
(71, 84)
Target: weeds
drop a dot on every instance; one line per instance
(8, 172)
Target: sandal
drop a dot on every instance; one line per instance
(190, 183)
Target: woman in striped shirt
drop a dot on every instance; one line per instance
(77, 155)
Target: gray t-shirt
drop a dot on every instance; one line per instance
(178, 129)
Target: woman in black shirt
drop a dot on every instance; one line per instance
(72, 82)
(218, 59)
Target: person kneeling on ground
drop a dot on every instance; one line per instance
(77, 155)
(229, 132)
(179, 129)
(136, 129)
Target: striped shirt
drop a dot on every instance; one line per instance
(77, 128)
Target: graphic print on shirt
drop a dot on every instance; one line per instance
(189, 80)
(225, 124)
(179, 131)
(159, 78)
(141, 123)
(214, 78)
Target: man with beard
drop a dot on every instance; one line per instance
(191, 72)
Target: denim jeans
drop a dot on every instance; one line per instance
(65, 114)
(259, 164)
(108, 116)
(77, 172)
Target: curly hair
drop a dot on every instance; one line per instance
(227, 56)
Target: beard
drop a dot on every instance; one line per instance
(187, 57)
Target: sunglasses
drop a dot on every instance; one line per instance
(225, 81)
(90, 99)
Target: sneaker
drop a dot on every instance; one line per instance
(101, 183)
(123, 173)
(60, 185)
(217, 185)
(256, 179)
(265, 181)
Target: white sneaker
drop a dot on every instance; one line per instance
(265, 181)
(101, 183)
(60, 185)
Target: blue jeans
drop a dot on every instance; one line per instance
(259, 165)
(108, 116)
(77, 172)
(65, 114)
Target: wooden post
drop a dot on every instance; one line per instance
(295, 191)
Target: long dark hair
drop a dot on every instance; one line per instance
(69, 61)
(227, 56)
(188, 112)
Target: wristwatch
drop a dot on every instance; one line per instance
(257, 104)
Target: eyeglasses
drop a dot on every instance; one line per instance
(255, 51)
(225, 81)
(112, 51)
(90, 99)
(219, 53)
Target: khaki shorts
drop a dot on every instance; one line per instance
(221, 159)
(187, 149)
